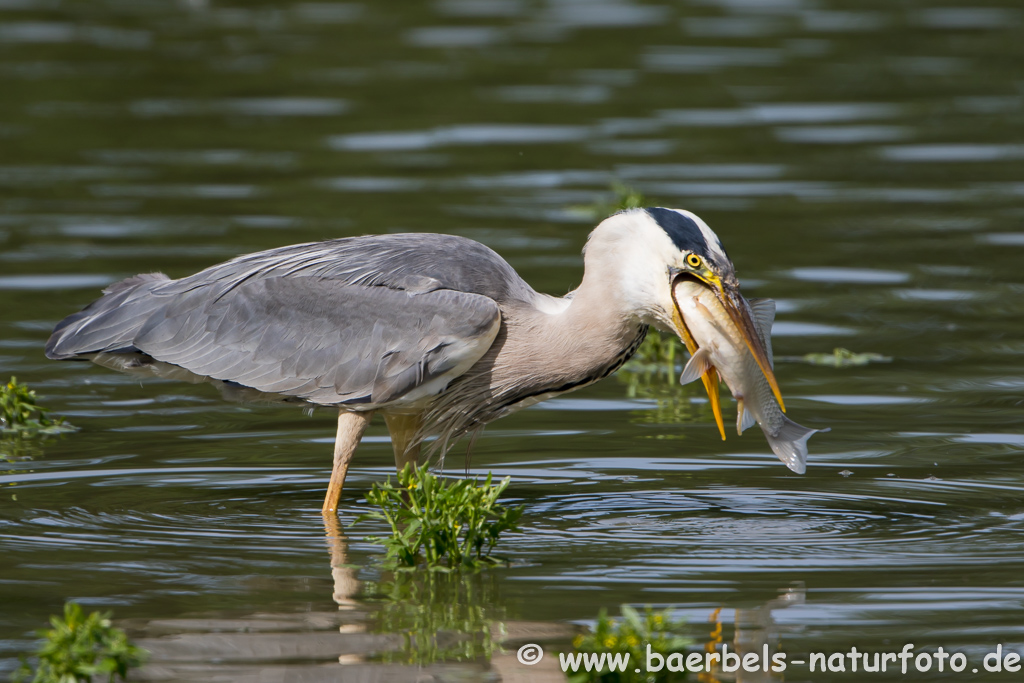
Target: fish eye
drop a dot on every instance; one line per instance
(693, 261)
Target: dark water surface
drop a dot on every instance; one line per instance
(862, 161)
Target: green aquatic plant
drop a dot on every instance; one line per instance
(673, 404)
(652, 373)
(842, 358)
(441, 524)
(21, 414)
(626, 198)
(22, 420)
(630, 636)
(657, 354)
(440, 616)
(623, 197)
(79, 647)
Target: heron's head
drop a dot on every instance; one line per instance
(650, 250)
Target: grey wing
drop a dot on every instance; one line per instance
(323, 341)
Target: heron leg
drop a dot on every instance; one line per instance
(351, 426)
(403, 428)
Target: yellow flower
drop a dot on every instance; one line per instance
(632, 641)
(577, 641)
(610, 641)
(658, 619)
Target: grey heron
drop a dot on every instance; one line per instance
(437, 333)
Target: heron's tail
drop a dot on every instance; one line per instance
(790, 444)
(108, 324)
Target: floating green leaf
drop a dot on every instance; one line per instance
(842, 358)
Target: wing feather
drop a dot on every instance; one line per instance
(360, 320)
(321, 340)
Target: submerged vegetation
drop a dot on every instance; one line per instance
(79, 647)
(442, 525)
(20, 413)
(629, 635)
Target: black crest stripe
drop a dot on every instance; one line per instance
(683, 231)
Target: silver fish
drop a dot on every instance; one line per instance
(722, 347)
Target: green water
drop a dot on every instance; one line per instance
(861, 161)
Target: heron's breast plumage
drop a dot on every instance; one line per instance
(599, 371)
(535, 357)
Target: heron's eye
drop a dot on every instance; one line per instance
(693, 261)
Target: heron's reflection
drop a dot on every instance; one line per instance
(755, 632)
(401, 625)
(346, 582)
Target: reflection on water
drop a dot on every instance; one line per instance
(407, 623)
(862, 164)
(401, 626)
(441, 616)
(651, 376)
(16, 451)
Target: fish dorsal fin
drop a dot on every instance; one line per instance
(764, 317)
(744, 418)
(699, 363)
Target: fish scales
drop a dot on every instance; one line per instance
(722, 346)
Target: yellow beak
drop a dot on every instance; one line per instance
(709, 378)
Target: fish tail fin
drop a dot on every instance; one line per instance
(790, 444)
